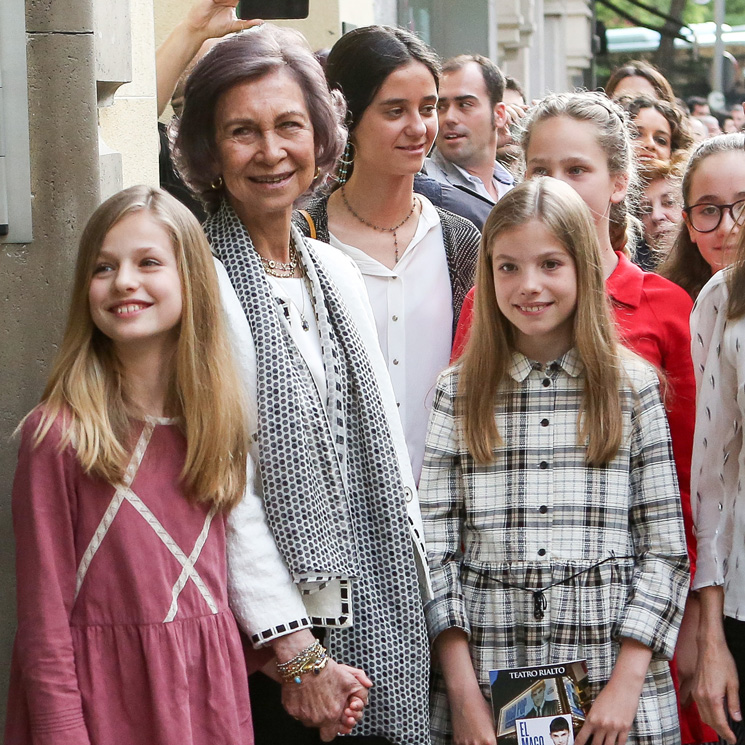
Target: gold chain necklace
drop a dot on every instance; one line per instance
(377, 227)
(281, 269)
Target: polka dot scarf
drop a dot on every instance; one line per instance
(333, 492)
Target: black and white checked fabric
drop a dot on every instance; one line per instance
(538, 515)
(333, 492)
(460, 237)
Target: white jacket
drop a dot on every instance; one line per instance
(263, 595)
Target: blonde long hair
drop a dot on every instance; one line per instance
(486, 360)
(613, 136)
(85, 391)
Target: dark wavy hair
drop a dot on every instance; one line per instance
(681, 137)
(641, 69)
(361, 60)
(244, 57)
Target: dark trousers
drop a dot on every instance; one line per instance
(274, 726)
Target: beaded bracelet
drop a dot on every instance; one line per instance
(312, 659)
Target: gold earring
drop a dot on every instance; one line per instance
(217, 184)
(317, 173)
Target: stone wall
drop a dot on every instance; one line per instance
(76, 62)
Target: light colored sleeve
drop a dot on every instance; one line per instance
(718, 436)
(46, 568)
(351, 285)
(443, 511)
(654, 608)
(263, 596)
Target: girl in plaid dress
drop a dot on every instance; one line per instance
(551, 507)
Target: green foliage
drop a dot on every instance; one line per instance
(693, 13)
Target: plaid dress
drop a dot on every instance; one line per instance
(609, 539)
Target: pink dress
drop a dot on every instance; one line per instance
(124, 632)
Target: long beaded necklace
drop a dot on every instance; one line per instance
(281, 269)
(376, 227)
(286, 270)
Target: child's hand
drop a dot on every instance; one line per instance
(350, 718)
(472, 721)
(613, 711)
(611, 716)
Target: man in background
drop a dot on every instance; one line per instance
(471, 112)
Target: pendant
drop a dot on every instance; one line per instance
(305, 324)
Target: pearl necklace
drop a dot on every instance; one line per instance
(281, 269)
(376, 227)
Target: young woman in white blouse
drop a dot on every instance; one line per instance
(717, 475)
(418, 261)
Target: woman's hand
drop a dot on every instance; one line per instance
(686, 650)
(472, 720)
(716, 687)
(613, 711)
(205, 19)
(213, 19)
(328, 700)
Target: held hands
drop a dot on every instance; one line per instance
(333, 700)
(716, 687)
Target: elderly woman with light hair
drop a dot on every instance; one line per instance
(332, 509)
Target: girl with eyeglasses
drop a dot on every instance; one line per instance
(714, 205)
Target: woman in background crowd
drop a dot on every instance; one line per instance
(636, 78)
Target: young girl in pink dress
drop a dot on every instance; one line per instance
(126, 471)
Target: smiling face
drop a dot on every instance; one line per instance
(535, 282)
(718, 179)
(399, 126)
(653, 135)
(567, 149)
(265, 145)
(135, 290)
(468, 121)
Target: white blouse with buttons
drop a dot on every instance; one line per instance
(718, 465)
(413, 308)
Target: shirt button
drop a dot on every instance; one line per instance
(544, 422)
(543, 465)
(541, 552)
(395, 362)
(395, 318)
(543, 509)
(546, 382)
(408, 494)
